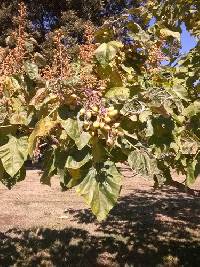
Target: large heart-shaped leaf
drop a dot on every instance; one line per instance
(49, 166)
(14, 154)
(100, 188)
(98, 150)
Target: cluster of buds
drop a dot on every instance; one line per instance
(101, 121)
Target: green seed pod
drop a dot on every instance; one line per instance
(89, 114)
(101, 125)
(82, 111)
(107, 119)
(95, 109)
(96, 124)
(113, 113)
(111, 108)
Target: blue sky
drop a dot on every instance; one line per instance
(187, 41)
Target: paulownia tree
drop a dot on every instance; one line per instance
(111, 101)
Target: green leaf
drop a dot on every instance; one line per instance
(106, 52)
(9, 181)
(71, 126)
(100, 188)
(98, 150)
(73, 177)
(142, 163)
(191, 177)
(179, 90)
(31, 70)
(14, 154)
(78, 158)
(49, 168)
(192, 110)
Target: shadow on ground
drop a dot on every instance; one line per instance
(144, 229)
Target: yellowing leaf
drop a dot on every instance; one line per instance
(10, 86)
(41, 129)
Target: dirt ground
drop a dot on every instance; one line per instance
(42, 226)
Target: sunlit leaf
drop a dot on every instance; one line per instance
(71, 126)
(106, 52)
(166, 32)
(14, 154)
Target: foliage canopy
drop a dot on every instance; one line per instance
(110, 100)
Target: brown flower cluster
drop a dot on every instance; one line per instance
(12, 61)
(92, 89)
(60, 69)
(86, 51)
(155, 56)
